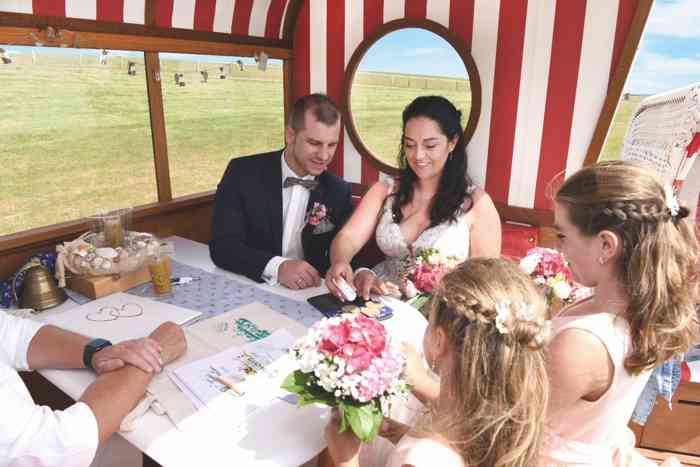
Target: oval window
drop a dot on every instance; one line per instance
(387, 72)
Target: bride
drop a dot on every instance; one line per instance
(433, 204)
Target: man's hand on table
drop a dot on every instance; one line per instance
(142, 353)
(171, 339)
(297, 274)
(149, 354)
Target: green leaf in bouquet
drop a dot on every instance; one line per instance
(364, 419)
(298, 383)
(421, 302)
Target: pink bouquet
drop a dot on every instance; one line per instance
(422, 273)
(348, 362)
(551, 272)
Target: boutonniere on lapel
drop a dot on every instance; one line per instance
(318, 218)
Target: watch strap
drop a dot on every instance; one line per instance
(91, 348)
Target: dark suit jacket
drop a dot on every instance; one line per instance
(247, 221)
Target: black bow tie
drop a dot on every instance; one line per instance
(309, 184)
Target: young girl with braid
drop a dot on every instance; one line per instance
(623, 233)
(485, 340)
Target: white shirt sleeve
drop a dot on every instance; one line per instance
(271, 272)
(15, 337)
(33, 435)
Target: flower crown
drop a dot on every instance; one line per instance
(509, 314)
(671, 201)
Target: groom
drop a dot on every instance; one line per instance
(276, 214)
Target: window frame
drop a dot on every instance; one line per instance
(357, 56)
(24, 30)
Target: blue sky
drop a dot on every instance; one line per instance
(668, 57)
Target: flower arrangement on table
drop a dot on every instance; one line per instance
(348, 362)
(551, 272)
(421, 274)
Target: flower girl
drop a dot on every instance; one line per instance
(485, 340)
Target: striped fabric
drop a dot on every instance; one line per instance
(259, 18)
(545, 69)
(121, 11)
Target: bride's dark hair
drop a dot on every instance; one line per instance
(454, 181)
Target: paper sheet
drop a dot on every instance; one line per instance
(120, 316)
(259, 388)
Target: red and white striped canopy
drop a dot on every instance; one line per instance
(258, 18)
(545, 68)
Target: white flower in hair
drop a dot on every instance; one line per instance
(671, 200)
(525, 312)
(503, 314)
(544, 332)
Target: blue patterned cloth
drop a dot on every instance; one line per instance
(213, 294)
(48, 260)
(663, 381)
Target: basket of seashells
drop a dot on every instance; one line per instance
(90, 255)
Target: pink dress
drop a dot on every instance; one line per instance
(595, 433)
(423, 452)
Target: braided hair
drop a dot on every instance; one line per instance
(658, 262)
(495, 384)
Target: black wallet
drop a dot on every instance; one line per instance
(328, 304)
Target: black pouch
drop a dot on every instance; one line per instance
(328, 304)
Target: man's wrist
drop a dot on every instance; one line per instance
(91, 348)
(271, 272)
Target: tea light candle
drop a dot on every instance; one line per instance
(113, 231)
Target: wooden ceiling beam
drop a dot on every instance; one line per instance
(93, 34)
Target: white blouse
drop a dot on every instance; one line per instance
(33, 435)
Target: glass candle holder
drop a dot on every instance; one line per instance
(112, 228)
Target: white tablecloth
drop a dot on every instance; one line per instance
(280, 435)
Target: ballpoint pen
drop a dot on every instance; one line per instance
(217, 376)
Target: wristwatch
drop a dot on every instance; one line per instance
(91, 348)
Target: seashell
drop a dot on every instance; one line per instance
(107, 265)
(97, 262)
(90, 256)
(107, 252)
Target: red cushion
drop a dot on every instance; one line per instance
(518, 239)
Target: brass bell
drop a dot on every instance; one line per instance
(40, 289)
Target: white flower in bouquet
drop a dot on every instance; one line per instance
(409, 289)
(348, 362)
(562, 290)
(530, 262)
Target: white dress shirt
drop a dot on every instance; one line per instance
(294, 201)
(33, 435)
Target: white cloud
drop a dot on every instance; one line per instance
(654, 73)
(679, 19)
(422, 51)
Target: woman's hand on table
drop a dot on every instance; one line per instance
(337, 272)
(344, 448)
(144, 353)
(367, 282)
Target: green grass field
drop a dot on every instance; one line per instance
(75, 136)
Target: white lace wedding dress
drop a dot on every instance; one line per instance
(450, 238)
